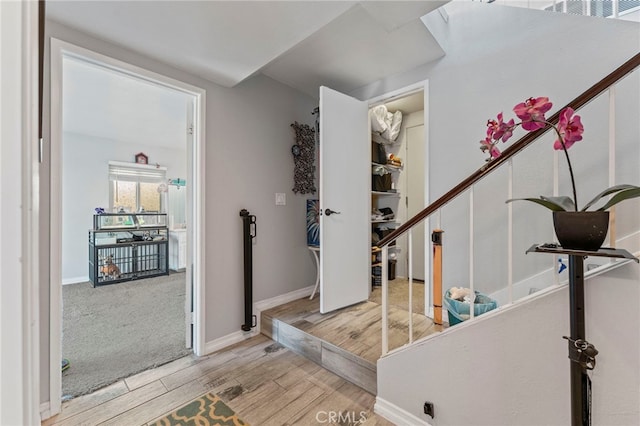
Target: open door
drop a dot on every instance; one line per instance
(345, 201)
(189, 290)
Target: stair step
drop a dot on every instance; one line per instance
(350, 367)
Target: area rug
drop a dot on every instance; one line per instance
(208, 410)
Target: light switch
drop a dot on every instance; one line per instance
(281, 199)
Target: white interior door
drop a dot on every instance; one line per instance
(190, 288)
(414, 166)
(345, 176)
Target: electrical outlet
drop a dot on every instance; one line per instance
(428, 409)
(281, 199)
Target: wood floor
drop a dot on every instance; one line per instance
(348, 341)
(263, 382)
(357, 328)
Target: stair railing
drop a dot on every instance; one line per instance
(506, 158)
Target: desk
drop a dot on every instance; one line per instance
(316, 256)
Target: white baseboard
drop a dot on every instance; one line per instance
(75, 280)
(228, 340)
(258, 307)
(45, 411)
(397, 415)
(282, 299)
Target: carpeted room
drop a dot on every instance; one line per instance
(116, 320)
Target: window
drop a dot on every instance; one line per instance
(133, 187)
(601, 8)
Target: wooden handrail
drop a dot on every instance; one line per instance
(512, 150)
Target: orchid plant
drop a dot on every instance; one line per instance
(569, 130)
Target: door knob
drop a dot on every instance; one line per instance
(329, 212)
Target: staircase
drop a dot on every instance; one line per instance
(490, 369)
(347, 341)
(509, 366)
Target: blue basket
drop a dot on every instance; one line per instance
(459, 311)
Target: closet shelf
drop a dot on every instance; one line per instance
(389, 167)
(386, 193)
(376, 249)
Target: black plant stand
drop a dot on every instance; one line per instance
(581, 353)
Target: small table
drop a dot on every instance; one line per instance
(316, 255)
(580, 381)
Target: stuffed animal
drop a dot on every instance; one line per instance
(110, 269)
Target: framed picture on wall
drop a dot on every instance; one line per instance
(313, 222)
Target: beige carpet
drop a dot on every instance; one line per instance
(111, 332)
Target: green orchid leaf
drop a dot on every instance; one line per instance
(608, 191)
(551, 205)
(563, 201)
(621, 196)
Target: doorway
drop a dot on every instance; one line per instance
(410, 184)
(348, 212)
(193, 173)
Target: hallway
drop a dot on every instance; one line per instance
(263, 382)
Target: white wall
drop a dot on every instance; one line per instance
(248, 160)
(510, 367)
(632, 16)
(85, 186)
(496, 57)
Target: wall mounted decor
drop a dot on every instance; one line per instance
(304, 155)
(313, 222)
(141, 158)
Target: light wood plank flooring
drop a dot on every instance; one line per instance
(263, 382)
(357, 328)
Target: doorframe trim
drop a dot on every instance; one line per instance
(196, 162)
(401, 93)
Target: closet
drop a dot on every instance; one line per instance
(397, 182)
(348, 194)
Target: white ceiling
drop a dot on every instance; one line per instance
(408, 104)
(110, 105)
(340, 44)
(304, 44)
(357, 48)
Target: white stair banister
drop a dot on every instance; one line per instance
(510, 233)
(385, 300)
(471, 255)
(410, 274)
(612, 163)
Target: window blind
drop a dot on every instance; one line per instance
(136, 173)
